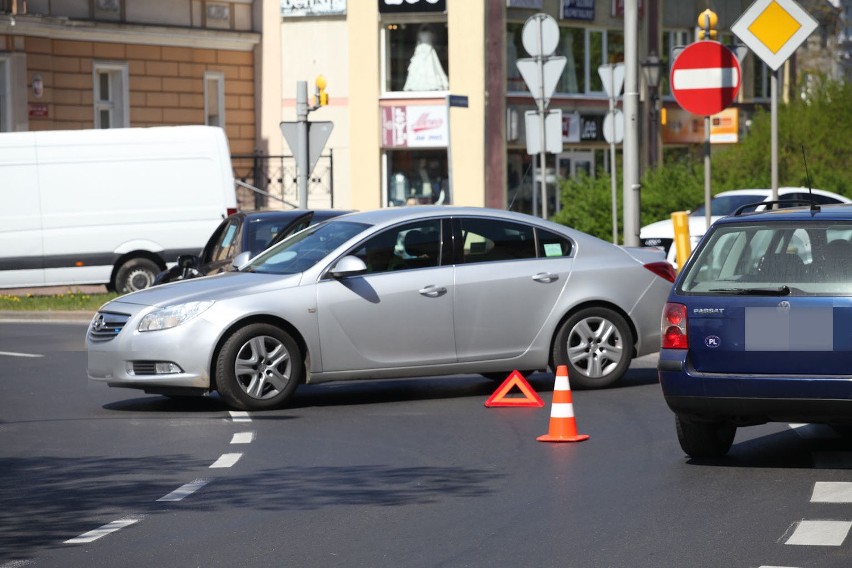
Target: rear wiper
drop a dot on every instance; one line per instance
(779, 291)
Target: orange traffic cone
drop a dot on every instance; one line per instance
(563, 426)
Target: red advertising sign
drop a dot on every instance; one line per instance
(705, 78)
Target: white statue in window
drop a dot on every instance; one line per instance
(425, 72)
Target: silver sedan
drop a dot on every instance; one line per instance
(400, 292)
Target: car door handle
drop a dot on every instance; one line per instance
(433, 291)
(545, 277)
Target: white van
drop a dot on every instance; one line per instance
(110, 206)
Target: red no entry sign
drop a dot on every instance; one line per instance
(705, 78)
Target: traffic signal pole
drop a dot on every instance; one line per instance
(631, 186)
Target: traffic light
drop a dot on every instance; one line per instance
(321, 97)
(707, 21)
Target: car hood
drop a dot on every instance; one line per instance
(218, 287)
(665, 229)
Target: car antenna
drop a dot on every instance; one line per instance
(814, 206)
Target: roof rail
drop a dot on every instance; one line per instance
(777, 204)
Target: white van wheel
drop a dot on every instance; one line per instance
(135, 274)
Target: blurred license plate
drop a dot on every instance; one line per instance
(787, 329)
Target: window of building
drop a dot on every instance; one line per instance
(214, 99)
(585, 50)
(671, 40)
(417, 177)
(416, 57)
(111, 95)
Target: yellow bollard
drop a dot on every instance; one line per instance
(680, 220)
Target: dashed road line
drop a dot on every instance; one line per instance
(813, 431)
(185, 490)
(16, 563)
(226, 460)
(243, 438)
(832, 492)
(240, 416)
(15, 354)
(102, 531)
(819, 533)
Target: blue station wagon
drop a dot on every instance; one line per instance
(758, 326)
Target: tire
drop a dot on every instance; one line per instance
(704, 439)
(258, 368)
(597, 345)
(136, 274)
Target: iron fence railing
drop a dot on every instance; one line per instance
(270, 182)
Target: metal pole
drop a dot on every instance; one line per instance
(612, 169)
(541, 120)
(707, 196)
(302, 161)
(773, 93)
(449, 158)
(630, 147)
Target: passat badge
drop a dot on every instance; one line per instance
(712, 341)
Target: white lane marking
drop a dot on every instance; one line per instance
(832, 460)
(102, 532)
(832, 492)
(16, 563)
(16, 354)
(243, 438)
(185, 490)
(240, 416)
(226, 460)
(820, 533)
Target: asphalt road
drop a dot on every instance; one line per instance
(415, 473)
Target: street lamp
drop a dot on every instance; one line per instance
(653, 67)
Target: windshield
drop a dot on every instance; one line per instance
(304, 249)
(722, 205)
(773, 259)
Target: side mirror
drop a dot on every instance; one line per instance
(348, 266)
(241, 259)
(185, 261)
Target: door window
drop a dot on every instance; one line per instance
(486, 240)
(414, 245)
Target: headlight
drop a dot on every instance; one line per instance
(172, 316)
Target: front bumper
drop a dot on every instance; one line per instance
(129, 359)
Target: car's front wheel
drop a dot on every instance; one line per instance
(704, 439)
(258, 368)
(596, 344)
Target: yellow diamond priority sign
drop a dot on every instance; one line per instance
(774, 29)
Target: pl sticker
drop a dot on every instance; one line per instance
(712, 341)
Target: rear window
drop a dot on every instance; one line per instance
(811, 259)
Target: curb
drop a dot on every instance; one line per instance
(48, 316)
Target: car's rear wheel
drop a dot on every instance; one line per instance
(704, 439)
(596, 344)
(258, 368)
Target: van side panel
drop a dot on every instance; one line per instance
(127, 193)
(20, 216)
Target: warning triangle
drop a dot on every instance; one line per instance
(515, 379)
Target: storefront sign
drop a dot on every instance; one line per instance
(532, 4)
(302, 8)
(578, 128)
(411, 6)
(618, 8)
(38, 110)
(578, 10)
(414, 126)
(682, 127)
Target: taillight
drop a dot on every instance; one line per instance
(662, 269)
(674, 327)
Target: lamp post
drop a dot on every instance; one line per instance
(652, 67)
